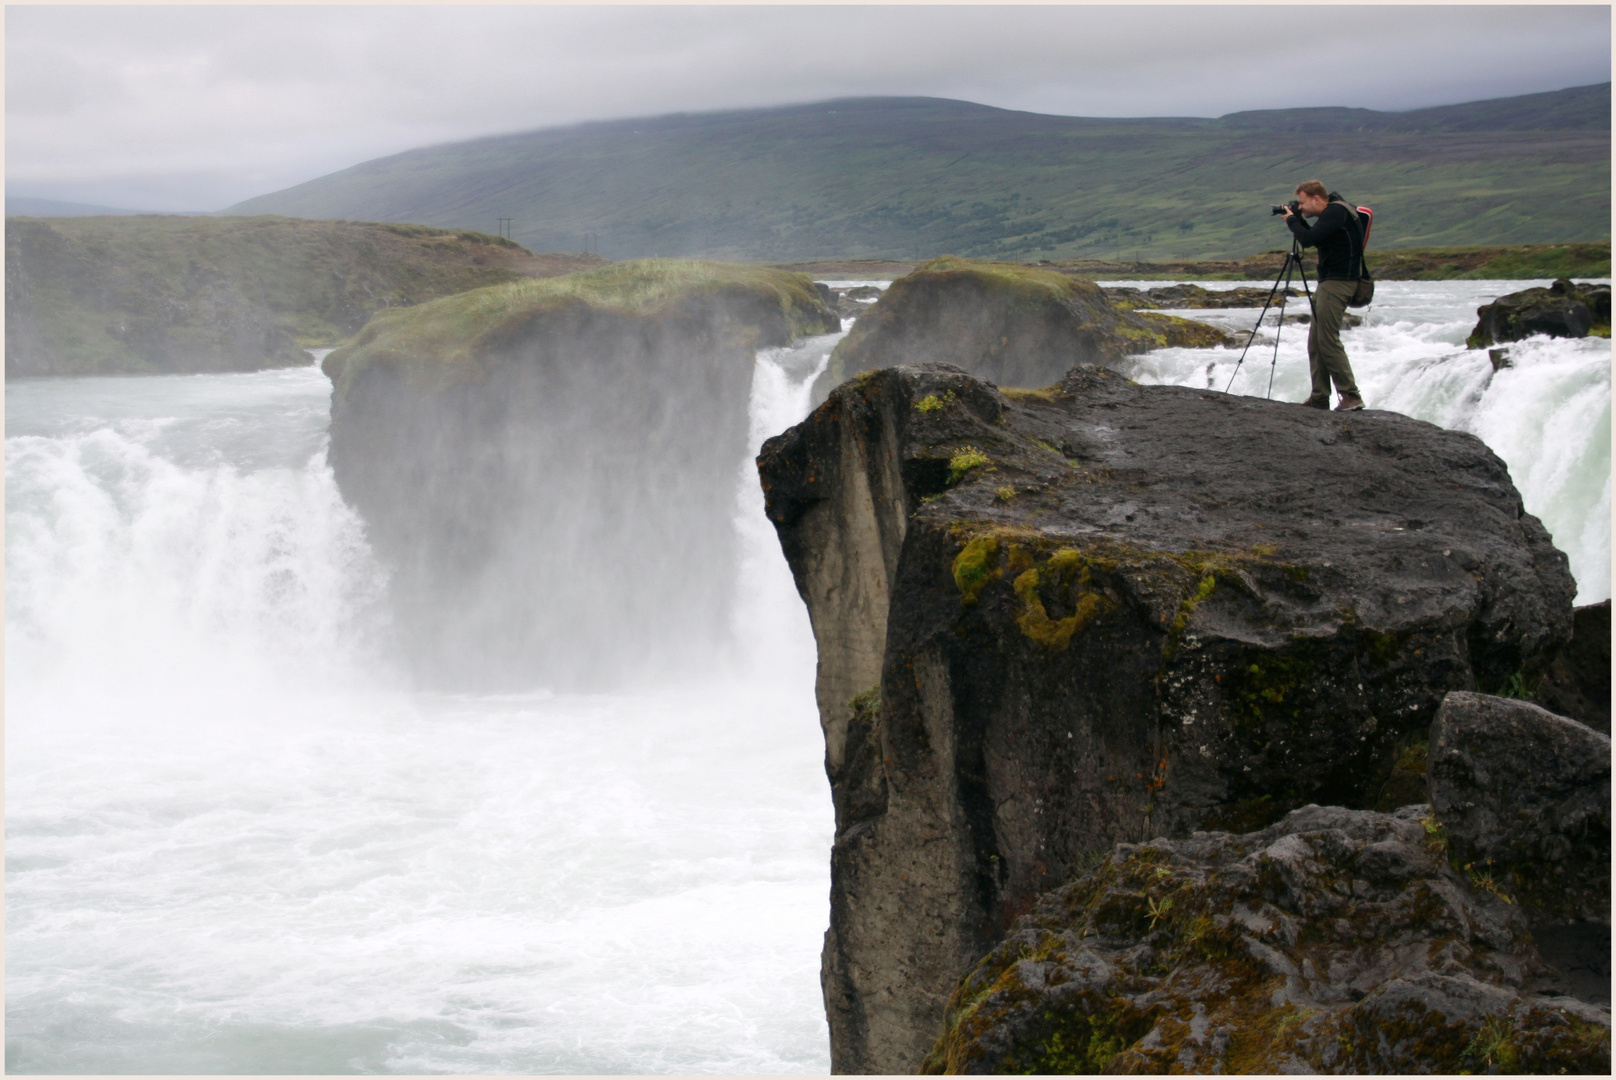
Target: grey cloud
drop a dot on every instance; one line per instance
(103, 100)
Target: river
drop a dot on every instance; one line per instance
(238, 841)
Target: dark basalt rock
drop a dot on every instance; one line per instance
(1577, 683)
(1563, 309)
(1525, 798)
(1335, 941)
(1049, 621)
(1014, 324)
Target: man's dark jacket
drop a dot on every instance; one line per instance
(1335, 234)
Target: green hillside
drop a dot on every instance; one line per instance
(168, 294)
(901, 178)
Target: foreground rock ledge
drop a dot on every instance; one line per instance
(1337, 941)
(1052, 621)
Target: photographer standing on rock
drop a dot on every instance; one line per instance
(1338, 236)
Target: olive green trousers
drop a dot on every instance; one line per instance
(1326, 357)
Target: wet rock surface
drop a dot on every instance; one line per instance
(1016, 325)
(1564, 309)
(1053, 621)
(1334, 941)
(1524, 796)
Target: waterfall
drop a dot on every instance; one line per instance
(238, 842)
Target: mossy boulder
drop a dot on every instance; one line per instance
(1102, 612)
(1012, 324)
(548, 467)
(152, 294)
(1564, 309)
(1335, 941)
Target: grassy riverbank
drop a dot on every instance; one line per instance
(1498, 262)
(96, 295)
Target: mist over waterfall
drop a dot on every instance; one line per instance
(238, 841)
(245, 835)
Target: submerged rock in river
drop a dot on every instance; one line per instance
(1564, 309)
(548, 467)
(1049, 621)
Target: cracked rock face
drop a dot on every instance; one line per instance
(1051, 621)
(1334, 941)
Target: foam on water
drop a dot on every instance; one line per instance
(237, 844)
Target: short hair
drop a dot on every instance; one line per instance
(1313, 188)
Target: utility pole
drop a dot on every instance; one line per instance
(505, 227)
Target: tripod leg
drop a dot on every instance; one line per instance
(1297, 252)
(1284, 272)
(1294, 259)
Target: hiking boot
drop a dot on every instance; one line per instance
(1349, 403)
(1317, 402)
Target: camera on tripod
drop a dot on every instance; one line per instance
(1294, 206)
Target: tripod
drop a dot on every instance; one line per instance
(1293, 264)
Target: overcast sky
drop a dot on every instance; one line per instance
(195, 107)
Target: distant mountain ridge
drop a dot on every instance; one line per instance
(1580, 108)
(907, 177)
(28, 206)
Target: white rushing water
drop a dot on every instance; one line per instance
(237, 843)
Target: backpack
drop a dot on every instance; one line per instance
(1364, 219)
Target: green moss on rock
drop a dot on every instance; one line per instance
(442, 340)
(1331, 942)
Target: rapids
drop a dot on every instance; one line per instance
(239, 842)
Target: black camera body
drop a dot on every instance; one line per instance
(1295, 207)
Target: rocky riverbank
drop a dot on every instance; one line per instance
(1499, 262)
(1051, 621)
